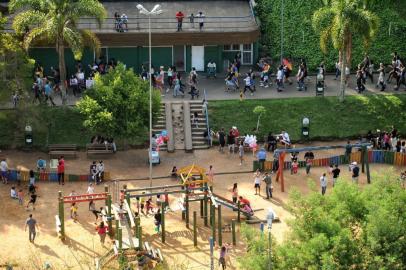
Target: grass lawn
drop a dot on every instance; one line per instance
(329, 119)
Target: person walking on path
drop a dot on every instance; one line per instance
(102, 231)
(355, 172)
(210, 174)
(4, 171)
(268, 181)
(257, 182)
(348, 150)
(261, 156)
(222, 139)
(61, 171)
(32, 225)
(309, 156)
(90, 189)
(241, 152)
(192, 20)
(234, 193)
(157, 220)
(200, 20)
(179, 18)
(323, 183)
(336, 174)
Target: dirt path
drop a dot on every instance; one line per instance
(82, 246)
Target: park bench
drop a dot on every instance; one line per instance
(99, 149)
(56, 150)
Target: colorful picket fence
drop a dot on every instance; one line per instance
(52, 176)
(374, 156)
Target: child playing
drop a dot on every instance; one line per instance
(32, 200)
(222, 258)
(13, 193)
(295, 167)
(32, 178)
(148, 206)
(195, 120)
(74, 212)
(20, 195)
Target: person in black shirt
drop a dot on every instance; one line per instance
(271, 142)
(231, 142)
(355, 172)
(157, 220)
(222, 139)
(309, 156)
(336, 173)
(293, 158)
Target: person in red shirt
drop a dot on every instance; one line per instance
(61, 171)
(102, 231)
(179, 17)
(243, 201)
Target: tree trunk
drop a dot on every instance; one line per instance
(342, 78)
(259, 116)
(348, 45)
(62, 68)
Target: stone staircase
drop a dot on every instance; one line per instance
(160, 125)
(198, 139)
(175, 117)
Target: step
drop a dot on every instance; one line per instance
(200, 147)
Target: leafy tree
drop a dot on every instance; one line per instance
(15, 66)
(56, 21)
(118, 104)
(349, 228)
(339, 21)
(259, 110)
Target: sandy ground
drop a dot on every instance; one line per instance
(82, 244)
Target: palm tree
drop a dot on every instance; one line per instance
(56, 21)
(340, 20)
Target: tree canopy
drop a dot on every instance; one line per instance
(350, 228)
(118, 104)
(57, 21)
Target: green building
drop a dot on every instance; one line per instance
(229, 26)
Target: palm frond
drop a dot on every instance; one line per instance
(35, 34)
(39, 5)
(322, 17)
(91, 40)
(28, 18)
(74, 39)
(88, 8)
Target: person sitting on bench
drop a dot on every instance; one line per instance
(284, 138)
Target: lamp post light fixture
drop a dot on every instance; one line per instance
(156, 10)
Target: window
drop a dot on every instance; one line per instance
(247, 47)
(232, 47)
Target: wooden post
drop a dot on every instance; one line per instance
(109, 217)
(187, 209)
(140, 238)
(213, 222)
(137, 222)
(117, 227)
(194, 229)
(163, 222)
(205, 212)
(367, 167)
(363, 153)
(280, 171)
(201, 208)
(211, 215)
(61, 213)
(233, 232)
(120, 240)
(220, 241)
(238, 211)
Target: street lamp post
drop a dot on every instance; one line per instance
(269, 219)
(156, 10)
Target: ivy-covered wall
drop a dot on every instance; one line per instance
(300, 40)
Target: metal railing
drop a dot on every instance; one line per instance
(207, 117)
(163, 23)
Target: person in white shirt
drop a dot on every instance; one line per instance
(100, 171)
(285, 140)
(124, 21)
(279, 78)
(200, 20)
(323, 183)
(248, 85)
(74, 85)
(13, 193)
(4, 171)
(90, 189)
(211, 69)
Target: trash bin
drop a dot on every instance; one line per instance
(28, 135)
(320, 85)
(305, 127)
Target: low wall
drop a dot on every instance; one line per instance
(374, 156)
(53, 176)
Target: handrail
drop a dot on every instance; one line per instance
(207, 118)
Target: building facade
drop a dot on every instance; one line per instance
(229, 27)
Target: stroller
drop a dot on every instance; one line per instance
(231, 83)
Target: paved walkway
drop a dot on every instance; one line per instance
(215, 90)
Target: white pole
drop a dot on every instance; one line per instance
(150, 102)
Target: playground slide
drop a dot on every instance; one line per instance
(229, 204)
(128, 240)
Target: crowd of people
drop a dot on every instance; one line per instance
(387, 140)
